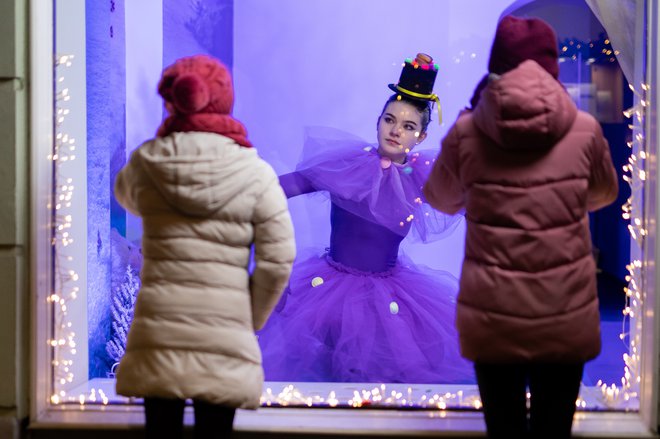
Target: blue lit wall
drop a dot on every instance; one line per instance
(187, 28)
(105, 155)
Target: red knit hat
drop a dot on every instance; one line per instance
(517, 40)
(200, 97)
(520, 39)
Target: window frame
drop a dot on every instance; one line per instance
(44, 414)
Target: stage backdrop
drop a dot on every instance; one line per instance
(296, 64)
(328, 63)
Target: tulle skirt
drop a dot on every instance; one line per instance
(337, 324)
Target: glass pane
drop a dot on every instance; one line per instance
(310, 75)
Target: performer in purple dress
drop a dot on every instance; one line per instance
(362, 312)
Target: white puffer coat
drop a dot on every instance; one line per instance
(204, 201)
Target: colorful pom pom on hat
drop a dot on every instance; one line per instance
(417, 78)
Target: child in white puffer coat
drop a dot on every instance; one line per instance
(206, 199)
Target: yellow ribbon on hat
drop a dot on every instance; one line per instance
(431, 97)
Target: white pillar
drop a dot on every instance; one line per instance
(144, 64)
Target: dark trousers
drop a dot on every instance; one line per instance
(553, 389)
(164, 419)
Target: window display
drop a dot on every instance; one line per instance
(300, 70)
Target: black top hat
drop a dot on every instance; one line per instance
(417, 78)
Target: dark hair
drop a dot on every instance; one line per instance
(422, 107)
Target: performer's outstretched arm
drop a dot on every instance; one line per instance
(295, 184)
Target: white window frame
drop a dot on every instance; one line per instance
(44, 414)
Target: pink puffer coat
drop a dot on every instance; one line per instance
(527, 166)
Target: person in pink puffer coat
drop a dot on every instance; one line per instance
(527, 166)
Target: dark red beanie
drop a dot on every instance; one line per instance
(520, 39)
(517, 40)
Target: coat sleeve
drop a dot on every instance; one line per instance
(126, 184)
(603, 180)
(274, 251)
(443, 189)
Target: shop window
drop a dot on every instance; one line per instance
(291, 71)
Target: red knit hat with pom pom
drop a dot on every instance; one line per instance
(199, 94)
(190, 94)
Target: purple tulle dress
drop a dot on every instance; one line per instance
(362, 312)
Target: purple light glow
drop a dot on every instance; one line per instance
(296, 64)
(328, 63)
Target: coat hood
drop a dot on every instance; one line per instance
(198, 173)
(526, 108)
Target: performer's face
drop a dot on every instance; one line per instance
(399, 130)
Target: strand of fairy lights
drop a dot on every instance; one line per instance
(65, 289)
(591, 51)
(63, 338)
(632, 210)
(378, 396)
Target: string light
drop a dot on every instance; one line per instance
(62, 339)
(374, 397)
(597, 51)
(614, 395)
